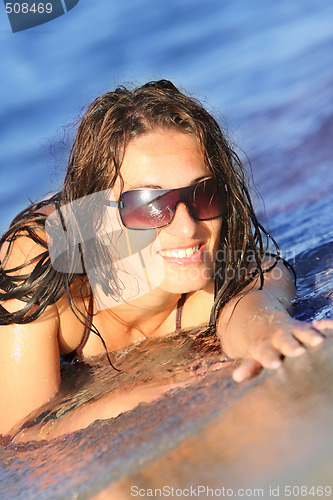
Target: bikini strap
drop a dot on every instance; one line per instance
(180, 305)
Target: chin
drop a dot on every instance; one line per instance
(190, 282)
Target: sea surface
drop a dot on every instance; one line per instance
(263, 68)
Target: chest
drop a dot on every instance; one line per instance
(191, 312)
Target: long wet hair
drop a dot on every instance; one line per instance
(105, 130)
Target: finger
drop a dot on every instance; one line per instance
(286, 344)
(307, 334)
(265, 354)
(248, 368)
(324, 324)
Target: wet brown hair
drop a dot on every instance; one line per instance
(106, 128)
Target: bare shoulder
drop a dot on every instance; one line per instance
(279, 280)
(20, 251)
(19, 256)
(25, 246)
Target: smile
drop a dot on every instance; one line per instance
(180, 253)
(184, 256)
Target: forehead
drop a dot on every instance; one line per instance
(164, 158)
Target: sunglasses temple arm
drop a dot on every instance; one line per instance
(115, 204)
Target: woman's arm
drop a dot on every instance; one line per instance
(29, 353)
(256, 326)
(110, 405)
(30, 367)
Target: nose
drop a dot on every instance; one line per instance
(183, 222)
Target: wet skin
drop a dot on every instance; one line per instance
(168, 159)
(254, 327)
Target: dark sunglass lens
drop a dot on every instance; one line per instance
(206, 201)
(144, 209)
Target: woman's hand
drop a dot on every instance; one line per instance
(282, 337)
(255, 326)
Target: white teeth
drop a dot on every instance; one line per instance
(180, 254)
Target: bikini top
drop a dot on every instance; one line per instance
(77, 353)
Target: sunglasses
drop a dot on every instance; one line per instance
(155, 208)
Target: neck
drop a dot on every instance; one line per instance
(145, 314)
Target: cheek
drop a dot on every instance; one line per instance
(116, 190)
(215, 232)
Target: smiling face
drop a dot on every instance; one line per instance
(168, 159)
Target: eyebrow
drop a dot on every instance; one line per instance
(156, 186)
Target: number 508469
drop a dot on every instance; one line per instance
(24, 8)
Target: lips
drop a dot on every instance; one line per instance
(185, 255)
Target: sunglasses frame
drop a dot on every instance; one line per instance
(119, 204)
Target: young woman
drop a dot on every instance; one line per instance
(162, 167)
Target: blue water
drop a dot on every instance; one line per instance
(263, 68)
